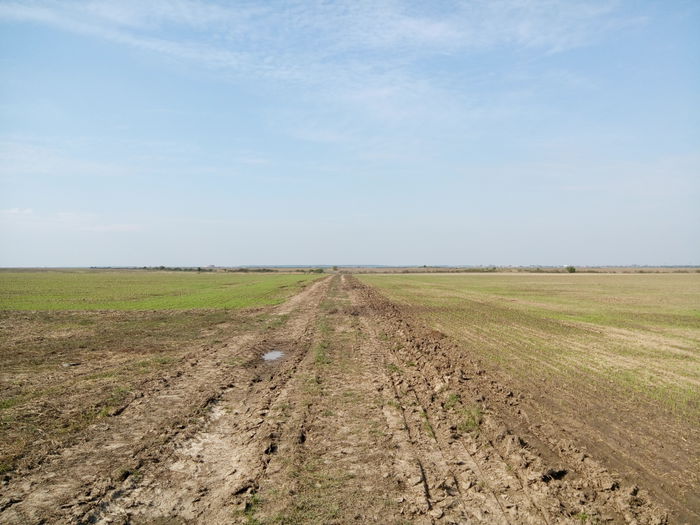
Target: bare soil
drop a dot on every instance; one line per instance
(368, 417)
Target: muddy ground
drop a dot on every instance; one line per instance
(367, 417)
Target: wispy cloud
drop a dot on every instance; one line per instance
(301, 38)
(369, 59)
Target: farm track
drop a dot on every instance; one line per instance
(520, 476)
(366, 418)
(82, 479)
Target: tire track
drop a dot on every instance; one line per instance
(335, 465)
(436, 465)
(522, 484)
(213, 471)
(83, 478)
(366, 418)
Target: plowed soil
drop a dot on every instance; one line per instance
(368, 417)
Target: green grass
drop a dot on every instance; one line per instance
(629, 300)
(452, 401)
(470, 420)
(391, 367)
(321, 353)
(143, 290)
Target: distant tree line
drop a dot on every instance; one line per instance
(214, 269)
(247, 270)
(179, 268)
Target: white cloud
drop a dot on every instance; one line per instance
(364, 57)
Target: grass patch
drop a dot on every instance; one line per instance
(452, 401)
(129, 473)
(316, 501)
(143, 290)
(313, 385)
(251, 507)
(470, 420)
(428, 425)
(391, 367)
(321, 353)
(10, 402)
(634, 335)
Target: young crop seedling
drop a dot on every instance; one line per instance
(452, 401)
(391, 367)
(470, 420)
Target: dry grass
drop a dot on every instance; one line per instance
(610, 363)
(636, 335)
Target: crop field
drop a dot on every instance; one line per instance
(186, 397)
(638, 333)
(142, 290)
(613, 358)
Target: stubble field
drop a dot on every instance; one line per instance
(132, 397)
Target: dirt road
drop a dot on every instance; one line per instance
(365, 417)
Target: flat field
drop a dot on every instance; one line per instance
(142, 290)
(74, 345)
(613, 359)
(163, 397)
(638, 332)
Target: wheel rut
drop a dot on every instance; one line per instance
(501, 475)
(456, 485)
(209, 474)
(365, 418)
(82, 482)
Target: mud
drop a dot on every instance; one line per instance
(368, 417)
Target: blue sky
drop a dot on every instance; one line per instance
(349, 132)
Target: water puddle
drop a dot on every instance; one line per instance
(272, 355)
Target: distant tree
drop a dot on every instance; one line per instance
(335, 268)
(571, 269)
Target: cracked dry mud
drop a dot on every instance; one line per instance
(367, 417)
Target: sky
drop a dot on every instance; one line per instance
(475, 132)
